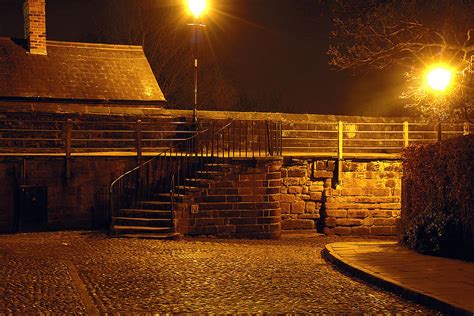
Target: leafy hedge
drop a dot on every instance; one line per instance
(438, 198)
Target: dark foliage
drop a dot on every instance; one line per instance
(438, 198)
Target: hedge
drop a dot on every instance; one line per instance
(438, 198)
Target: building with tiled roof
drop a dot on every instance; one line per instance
(39, 70)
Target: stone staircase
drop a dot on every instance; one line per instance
(154, 218)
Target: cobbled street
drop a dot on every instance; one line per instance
(89, 273)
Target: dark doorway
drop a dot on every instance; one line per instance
(32, 208)
(7, 193)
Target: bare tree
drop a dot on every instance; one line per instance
(381, 34)
(161, 28)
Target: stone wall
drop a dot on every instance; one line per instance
(241, 201)
(366, 200)
(302, 190)
(77, 204)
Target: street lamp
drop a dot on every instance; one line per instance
(197, 8)
(439, 78)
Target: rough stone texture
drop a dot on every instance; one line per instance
(367, 201)
(199, 275)
(303, 182)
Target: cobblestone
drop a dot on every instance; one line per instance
(192, 275)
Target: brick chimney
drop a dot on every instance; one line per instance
(34, 15)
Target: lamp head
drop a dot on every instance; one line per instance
(439, 78)
(197, 7)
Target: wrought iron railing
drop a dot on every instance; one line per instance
(167, 172)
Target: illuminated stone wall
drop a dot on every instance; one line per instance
(365, 202)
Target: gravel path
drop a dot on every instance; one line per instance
(191, 275)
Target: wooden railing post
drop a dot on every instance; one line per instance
(340, 155)
(405, 134)
(138, 139)
(68, 148)
(465, 129)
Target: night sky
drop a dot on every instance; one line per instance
(267, 46)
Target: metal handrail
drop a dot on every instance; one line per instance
(188, 157)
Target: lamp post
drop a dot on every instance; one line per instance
(196, 8)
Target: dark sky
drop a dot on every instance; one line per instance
(268, 46)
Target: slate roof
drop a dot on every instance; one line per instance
(77, 71)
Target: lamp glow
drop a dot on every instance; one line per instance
(439, 78)
(197, 7)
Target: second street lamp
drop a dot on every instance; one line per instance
(197, 8)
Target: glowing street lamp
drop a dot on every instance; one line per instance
(197, 8)
(439, 78)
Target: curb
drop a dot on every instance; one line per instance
(391, 285)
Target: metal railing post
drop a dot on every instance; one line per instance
(138, 140)
(68, 149)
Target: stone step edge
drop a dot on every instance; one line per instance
(164, 236)
(138, 219)
(329, 254)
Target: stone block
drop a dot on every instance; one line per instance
(305, 189)
(309, 216)
(357, 213)
(304, 197)
(330, 222)
(298, 207)
(392, 183)
(291, 181)
(352, 191)
(336, 213)
(348, 222)
(320, 165)
(360, 231)
(300, 173)
(283, 190)
(328, 231)
(342, 230)
(322, 174)
(316, 196)
(285, 208)
(316, 186)
(381, 192)
(295, 189)
(383, 230)
(384, 221)
(310, 207)
(284, 172)
(287, 198)
(390, 206)
(368, 221)
(381, 213)
(292, 224)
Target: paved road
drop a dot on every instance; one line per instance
(87, 273)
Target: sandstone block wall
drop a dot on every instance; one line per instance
(367, 201)
(302, 191)
(241, 201)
